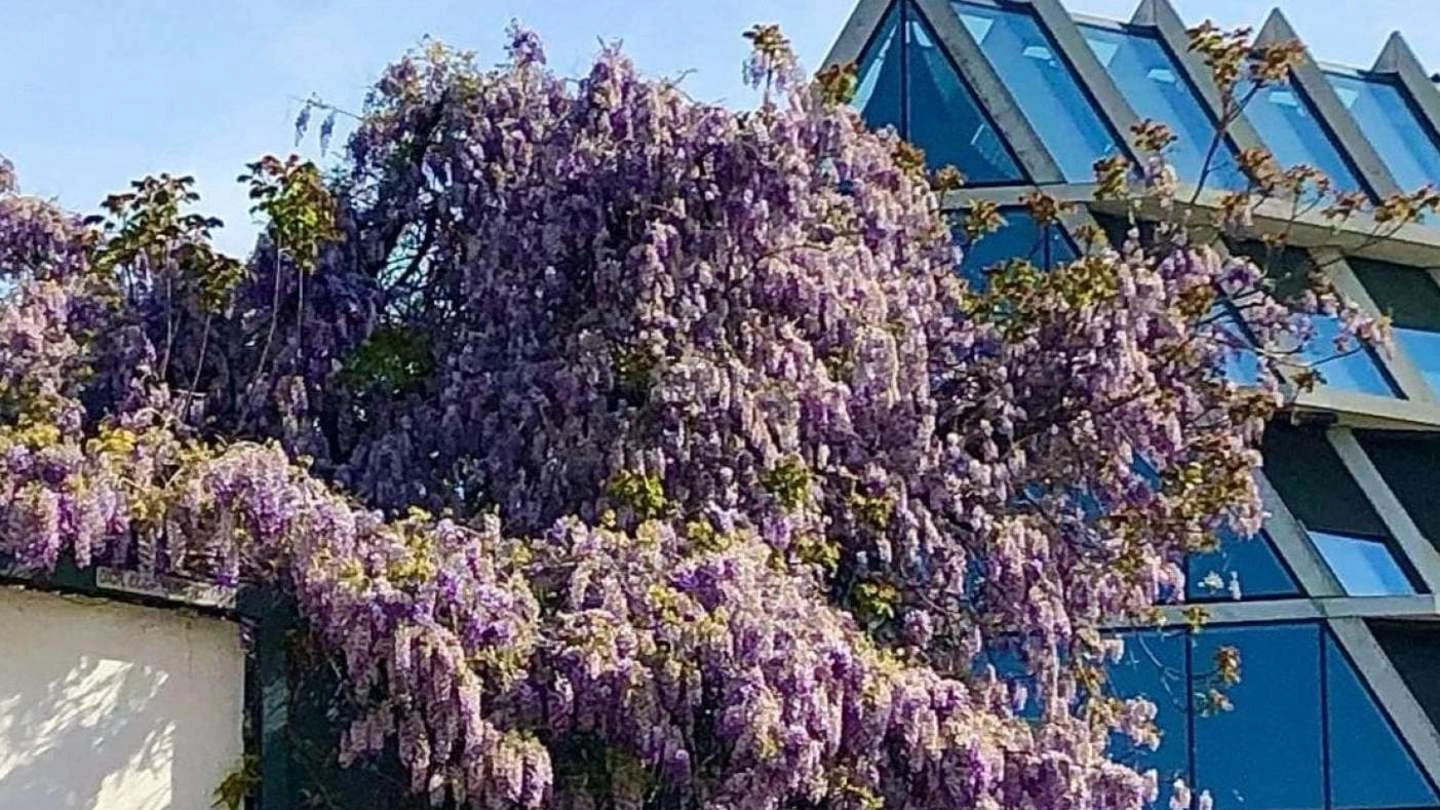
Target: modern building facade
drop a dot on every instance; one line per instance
(1334, 608)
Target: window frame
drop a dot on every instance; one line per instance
(906, 12)
(1332, 138)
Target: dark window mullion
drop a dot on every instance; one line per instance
(905, 69)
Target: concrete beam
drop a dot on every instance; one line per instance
(866, 17)
(1411, 245)
(1414, 244)
(1294, 547)
(1420, 607)
(1369, 412)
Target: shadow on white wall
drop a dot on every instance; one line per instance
(105, 706)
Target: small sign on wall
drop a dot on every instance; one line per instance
(172, 589)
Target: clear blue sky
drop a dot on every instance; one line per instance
(97, 92)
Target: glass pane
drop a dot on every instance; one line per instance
(1423, 349)
(1364, 566)
(1238, 568)
(1156, 89)
(1369, 766)
(1264, 754)
(1414, 648)
(1288, 270)
(1043, 87)
(1315, 484)
(1412, 300)
(1018, 238)
(1407, 294)
(1153, 667)
(1291, 131)
(878, 95)
(1242, 364)
(1391, 126)
(945, 120)
(1355, 369)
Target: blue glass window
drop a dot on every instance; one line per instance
(1288, 270)
(1423, 349)
(1250, 561)
(1237, 757)
(909, 83)
(1299, 713)
(1010, 668)
(1390, 124)
(878, 96)
(943, 116)
(1019, 238)
(1156, 89)
(1242, 363)
(1369, 766)
(1293, 133)
(1412, 300)
(1354, 369)
(1242, 367)
(1154, 667)
(1365, 566)
(1042, 85)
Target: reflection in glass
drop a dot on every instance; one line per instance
(944, 118)
(1153, 667)
(1156, 89)
(1423, 349)
(1370, 767)
(1237, 757)
(1354, 369)
(1269, 751)
(1043, 86)
(1294, 135)
(1242, 362)
(1238, 568)
(910, 84)
(878, 95)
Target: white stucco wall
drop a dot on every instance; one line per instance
(107, 706)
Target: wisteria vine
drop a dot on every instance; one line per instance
(630, 451)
